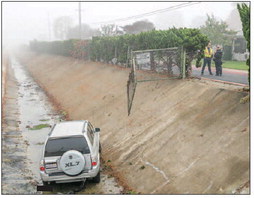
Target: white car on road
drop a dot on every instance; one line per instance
(71, 153)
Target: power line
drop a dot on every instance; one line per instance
(149, 13)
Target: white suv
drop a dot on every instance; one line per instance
(71, 153)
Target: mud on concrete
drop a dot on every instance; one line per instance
(182, 137)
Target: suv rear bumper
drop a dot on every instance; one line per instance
(61, 177)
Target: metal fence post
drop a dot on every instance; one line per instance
(131, 59)
(128, 57)
(183, 57)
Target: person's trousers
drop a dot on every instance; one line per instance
(218, 68)
(207, 61)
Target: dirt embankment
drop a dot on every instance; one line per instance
(182, 137)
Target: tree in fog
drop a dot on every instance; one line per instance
(217, 31)
(138, 26)
(61, 26)
(244, 12)
(234, 21)
(86, 32)
(111, 30)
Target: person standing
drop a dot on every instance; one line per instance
(217, 60)
(207, 59)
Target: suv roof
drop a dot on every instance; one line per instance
(68, 128)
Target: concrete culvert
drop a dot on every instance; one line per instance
(186, 133)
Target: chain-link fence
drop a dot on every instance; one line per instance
(156, 64)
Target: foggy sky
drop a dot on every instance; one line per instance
(25, 21)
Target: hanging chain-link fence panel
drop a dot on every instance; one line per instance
(131, 88)
(157, 64)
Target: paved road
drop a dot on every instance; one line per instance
(229, 75)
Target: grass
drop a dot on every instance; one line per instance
(131, 192)
(40, 126)
(240, 65)
(44, 120)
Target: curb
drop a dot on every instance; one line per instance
(225, 82)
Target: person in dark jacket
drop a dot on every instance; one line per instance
(217, 60)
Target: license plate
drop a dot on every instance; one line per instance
(51, 165)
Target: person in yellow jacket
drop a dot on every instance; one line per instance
(208, 58)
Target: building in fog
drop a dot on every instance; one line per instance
(239, 49)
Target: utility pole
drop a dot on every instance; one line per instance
(80, 28)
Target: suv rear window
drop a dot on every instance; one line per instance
(57, 147)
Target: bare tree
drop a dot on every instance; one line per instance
(87, 32)
(61, 26)
(110, 30)
(139, 26)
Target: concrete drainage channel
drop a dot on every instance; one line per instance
(28, 116)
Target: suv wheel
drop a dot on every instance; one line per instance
(45, 183)
(99, 147)
(97, 178)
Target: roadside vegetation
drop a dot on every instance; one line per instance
(244, 12)
(38, 127)
(107, 48)
(239, 65)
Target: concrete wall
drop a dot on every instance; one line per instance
(182, 137)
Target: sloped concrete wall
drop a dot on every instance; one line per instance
(182, 137)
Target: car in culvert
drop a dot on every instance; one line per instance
(71, 153)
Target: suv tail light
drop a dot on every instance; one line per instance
(94, 161)
(42, 168)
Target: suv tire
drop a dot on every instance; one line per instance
(46, 183)
(97, 178)
(100, 148)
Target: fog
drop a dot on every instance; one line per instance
(25, 21)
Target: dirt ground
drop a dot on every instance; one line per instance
(182, 137)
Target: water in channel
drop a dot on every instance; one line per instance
(35, 116)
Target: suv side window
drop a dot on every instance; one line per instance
(90, 133)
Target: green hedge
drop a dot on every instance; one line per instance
(73, 47)
(63, 48)
(106, 48)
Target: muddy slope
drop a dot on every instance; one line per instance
(182, 137)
